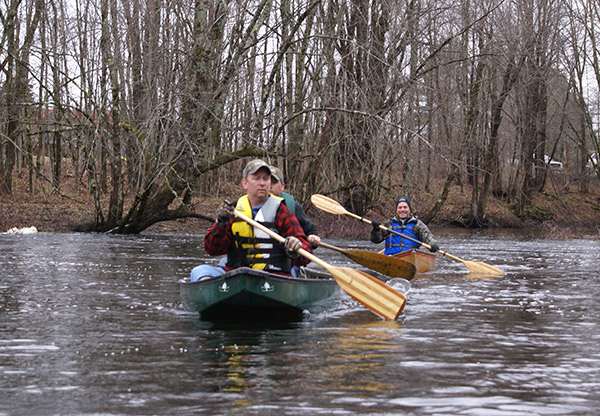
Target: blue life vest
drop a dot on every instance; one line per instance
(395, 244)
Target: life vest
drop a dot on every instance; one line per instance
(395, 244)
(253, 247)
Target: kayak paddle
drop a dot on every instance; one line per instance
(333, 207)
(390, 266)
(371, 292)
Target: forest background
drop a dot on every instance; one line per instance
(120, 115)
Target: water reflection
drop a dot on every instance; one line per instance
(367, 346)
(91, 324)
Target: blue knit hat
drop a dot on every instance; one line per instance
(402, 199)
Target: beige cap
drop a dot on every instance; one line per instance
(277, 174)
(253, 166)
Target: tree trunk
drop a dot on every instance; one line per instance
(492, 173)
(16, 86)
(443, 196)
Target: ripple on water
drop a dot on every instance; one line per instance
(92, 325)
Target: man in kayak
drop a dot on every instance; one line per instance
(277, 189)
(247, 246)
(406, 224)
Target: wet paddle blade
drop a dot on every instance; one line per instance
(482, 268)
(369, 291)
(333, 207)
(390, 266)
(387, 265)
(327, 204)
(476, 266)
(372, 293)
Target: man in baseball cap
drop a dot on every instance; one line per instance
(277, 189)
(254, 166)
(246, 245)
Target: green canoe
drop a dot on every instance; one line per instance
(250, 293)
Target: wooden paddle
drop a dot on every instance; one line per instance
(390, 266)
(333, 207)
(373, 293)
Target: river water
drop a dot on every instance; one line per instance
(91, 324)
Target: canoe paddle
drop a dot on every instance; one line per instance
(333, 207)
(390, 266)
(371, 292)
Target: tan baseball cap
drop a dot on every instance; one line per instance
(253, 166)
(277, 174)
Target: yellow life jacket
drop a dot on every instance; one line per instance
(253, 247)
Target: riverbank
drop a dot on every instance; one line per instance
(558, 212)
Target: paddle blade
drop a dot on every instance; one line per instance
(482, 268)
(372, 293)
(387, 265)
(327, 204)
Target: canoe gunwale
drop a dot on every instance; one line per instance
(321, 279)
(252, 290)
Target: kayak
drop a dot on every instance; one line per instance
(423, 261)
(255, 294)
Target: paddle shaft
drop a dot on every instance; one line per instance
(311, 256)
(329, 205)
(281, 239)
(374, 294)
(471, 265)
(340, 250)
(388, 265)
(414, 240)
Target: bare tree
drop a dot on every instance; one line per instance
(581, 61)
(15, 89)
(154, 102)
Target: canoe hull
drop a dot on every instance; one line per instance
(423, 261)
(250, 293)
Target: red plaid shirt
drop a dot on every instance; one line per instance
(218, 237)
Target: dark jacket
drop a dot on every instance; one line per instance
(307, 225)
